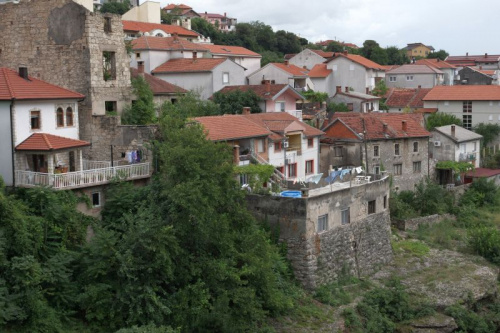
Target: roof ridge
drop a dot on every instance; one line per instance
(46, 140)
(6, 75)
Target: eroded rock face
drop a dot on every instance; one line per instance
(444, 277)
(438, 323)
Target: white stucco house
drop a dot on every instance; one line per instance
(283, 73)
(242, 56)
(309, 58)
(455, 143)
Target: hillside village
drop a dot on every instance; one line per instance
(330, 141)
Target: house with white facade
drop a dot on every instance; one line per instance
(275, 138)
(40, 143)
(455, 143)
(283, 73)
(205, 76)
(399, 99)
(309, 58)
(322, 77)
(354, 71)
(486, 61)
(273, 97)
(449, 70)
(135, 29)
(242, 56)
(356, 101)
(414, 76)
(473, 104)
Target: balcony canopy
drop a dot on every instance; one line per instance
(49, 142)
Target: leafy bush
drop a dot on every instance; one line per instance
(469, 321)
(143, 110)
(416, 248)
(480, 193)
(485, 241)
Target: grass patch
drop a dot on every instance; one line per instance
(341, 292)
(443, 235)
(411, 247)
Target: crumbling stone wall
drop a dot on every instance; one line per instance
(319, 257)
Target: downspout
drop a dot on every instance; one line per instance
(12, 142)
(366, 146)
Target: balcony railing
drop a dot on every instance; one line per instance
(89, 165)
(84, 178)
(467, 157)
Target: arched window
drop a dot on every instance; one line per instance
(69, 116)
(60, 117)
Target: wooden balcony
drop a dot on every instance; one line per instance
(80, 179)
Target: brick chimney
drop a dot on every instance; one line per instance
(452, 130)
(486, 55)
(385, 127)
(246, 110)
(286, 62)
(23, 72)
(367, 90)
(466, 54)
(419, 86)
(405, 127)
(195, 55)
(225, 14)
(140, 67)
(346, 89)
(339, 89)
(176, 37)
(268, 85)
(236, 155)
(345, 52)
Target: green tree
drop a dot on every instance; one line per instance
(489, 132)
(368, 47)
(337, 107)
(395, 56)
(174, 14)
(270, 56)
(441, 54)
(441, 119)
(204, 27)
(315, 96)
(115, 7)
(287, 42)
(379, 55)
(143, 109)
(234, 101)
(334, 47)
(380, 88)
(189, 105)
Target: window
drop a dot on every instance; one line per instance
(396, 149)
(415, 147)
(96, 199)
(462, 148)
(371, 207)
(376, 169)
(292, 170)
(243, 179)
(392, 79)
(467, 121)
(60, 117)
(417, 167)
(376, 151)
(409, 77)
(277, 146)
(109, 65)
(107, 25)
(69, 116)
(345, 216)
(350, 106)
(309, 167)
(467, 106)
(338, 151)
(323, 223)
(367, 107)
(398, 169)
(261, 146)
(310, 143)
(110, 107)
(138, 55)
(225, 78)
(385, 201)
(475, 146)
(35, 120)
(279, 106)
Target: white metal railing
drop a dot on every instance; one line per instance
(89, 165)
(468, 157)
(82, 178)
(295, 113)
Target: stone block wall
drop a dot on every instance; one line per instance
(413, 224)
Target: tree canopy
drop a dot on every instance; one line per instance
(143, 109)
(441, 54)
(441, 119)
(115, 7)
(234, 101)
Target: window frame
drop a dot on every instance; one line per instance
(417, 166)
(70, 117)
(38, 120)
(98, 199)
(225, 75)
(415, 146)
(409, 77)
(311, 163)
(278, 146)
(289, 167)
(397, 149)
(397, 169)
(392, 78)
(322, 224)
(59, 117)
(376, 150)
(279, 106)
(310, 142)
(261, 146)
(372, 207)
(338, 151)
(345, 219)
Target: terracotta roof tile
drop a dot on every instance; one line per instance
(158, 86)
(231, 127)
(188, 65)
(49, 142)
(265, 118)
(425, 110)
(415, 69)
(324, 54)
(464, 93)
(231, 50)
(165, 43)
(457, 60)
(437, 63)
(148, 27)
(374, 124)
(173, 6)
(482, 172)
(265, 92)
(403, 97)
(292, 69)
(359, 60)
(319, 70)
(389, 67)
(14, 86)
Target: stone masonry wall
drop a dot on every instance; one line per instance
(413, 224)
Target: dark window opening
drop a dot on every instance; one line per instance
(109, 65)
(107, 25)
(96, 199)
(35, 120)
(60, 117)
(69, 116)
(110, 107)
(371, 207)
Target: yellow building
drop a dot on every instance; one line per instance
(418, 50)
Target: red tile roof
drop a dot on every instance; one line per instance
(437, 63)
(464, 93)
(484, 71)
(231, 50)
(359, 60)
(165, 43)
(389, 67)
(324, 54)
(415, 69)
(401, 97)
(273, 121)
(148, 27)
(158, 86)
(265, 92)
(173, 6)
(49, 142)
(374, 125)
(188, 65)
(319, 70)
(14, 86)
(292, 69)
(482, 172)
(425, 110)
(458, 60)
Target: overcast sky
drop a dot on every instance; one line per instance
(457, 26)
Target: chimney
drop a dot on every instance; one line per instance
(236, 155)
(438, 60)
(367, 90)
(385, 127)
(452, 130)
(140, 67)
(339, 89)
(345, 52)
(268, 85)
(466, 54)
(286, 62)
(246, 110)
(346, 89)
(404, 125)
(304, 67)
(176, 37)
(225, 14)
(486, 55)
(23, 72)
(419, 86)
(195, 55)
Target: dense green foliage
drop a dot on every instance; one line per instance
(234, 101)
(489, 132)
(380, 89)
(189, 105)
(115, 7)
(143, 109)
(257, 174)
(441, 119)
(470, 321)
(337, 107)
(441, 54)
(315, 96)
